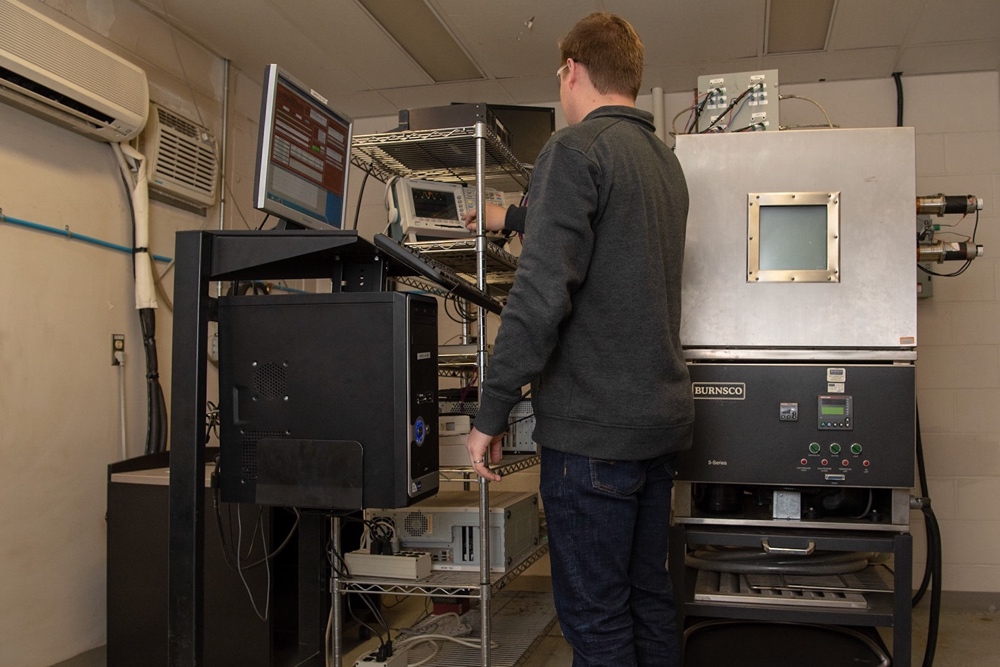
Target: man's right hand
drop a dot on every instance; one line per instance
(495, 216)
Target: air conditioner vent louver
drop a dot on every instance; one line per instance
(50, 71)
(180, 124)
(181, 156)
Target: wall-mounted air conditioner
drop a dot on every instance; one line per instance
(182, 166)
(50, 71)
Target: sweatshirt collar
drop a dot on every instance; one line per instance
(633, 114)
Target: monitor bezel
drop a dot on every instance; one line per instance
(273, 74)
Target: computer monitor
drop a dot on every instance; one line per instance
(529, 127)
(303, 156)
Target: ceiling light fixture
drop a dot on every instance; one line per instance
(797, 26)
(420, 33)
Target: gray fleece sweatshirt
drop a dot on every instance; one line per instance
(594, 314)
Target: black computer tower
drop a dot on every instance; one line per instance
(328, 400)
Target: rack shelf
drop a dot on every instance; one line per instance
(460, 256)
(447, 155)
(445, 583)
(473, 156)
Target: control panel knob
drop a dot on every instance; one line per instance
(814, 447)
(855, 448)
(834, 448)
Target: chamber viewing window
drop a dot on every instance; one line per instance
(793, 237)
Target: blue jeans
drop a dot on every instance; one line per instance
(608, 527)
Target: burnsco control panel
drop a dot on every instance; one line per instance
(802, 425)
(834, 413)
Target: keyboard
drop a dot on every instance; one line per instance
(414, 262)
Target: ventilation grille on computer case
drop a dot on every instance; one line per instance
(248, 451)
(270, 380)
(416, 524)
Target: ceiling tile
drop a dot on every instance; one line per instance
(679, 31)
(956, 20)
(861, 24)
(350, 38)
(335, 47)
(520, 40)
(252, 33)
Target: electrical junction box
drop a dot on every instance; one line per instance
(447, 527)
(755, 112)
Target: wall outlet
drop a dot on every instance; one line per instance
(117, 349)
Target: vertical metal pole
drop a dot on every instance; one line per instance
(902, 616)
(223, 149)
(485, 592)
(484, 485)
(185, 564)
(336, 598)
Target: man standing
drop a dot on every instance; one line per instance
(594, 318)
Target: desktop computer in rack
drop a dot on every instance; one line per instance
(328, 401)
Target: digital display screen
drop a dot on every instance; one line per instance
(434, 204)
(832, 410)
(793, 238)
(304, 150)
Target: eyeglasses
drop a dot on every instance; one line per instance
(560, 71)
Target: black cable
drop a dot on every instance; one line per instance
(933, 545)
(361, 194)
(156, 407)
(933, 566)
(956, 272)
(226, 548)
(899, 98)
(922, 476)
(693, 122)
(744, 561)
(732, 105)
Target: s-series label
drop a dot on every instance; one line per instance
(730, 391)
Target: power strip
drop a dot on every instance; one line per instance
(401, 565)
(397, 659)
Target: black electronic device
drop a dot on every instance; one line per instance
(454, 115)
(529, 127)
(303, 154)
(802, 425)
(408, 261)
(329, 400)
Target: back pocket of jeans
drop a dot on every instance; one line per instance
(619, 478)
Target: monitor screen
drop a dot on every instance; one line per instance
(303, 156)
(434, 204)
